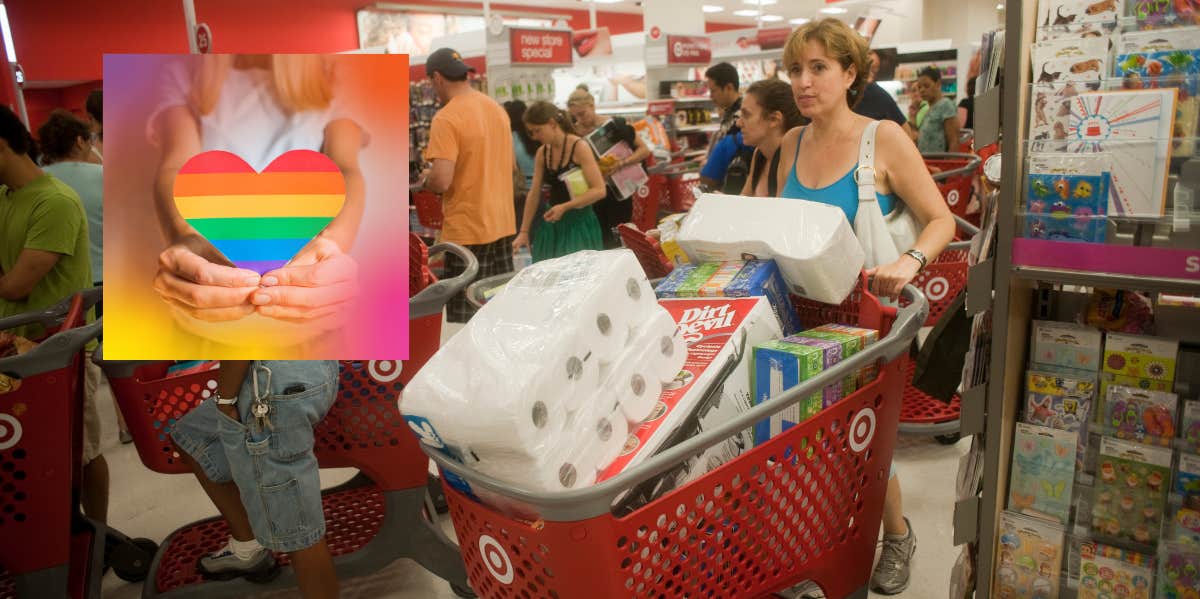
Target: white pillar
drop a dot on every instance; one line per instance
(189, 18)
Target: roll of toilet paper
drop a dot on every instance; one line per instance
(663, 348)
(569, 380)
(637, 393)
(608, 432)
(528, 428)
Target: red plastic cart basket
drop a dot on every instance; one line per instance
(649, 253)
(955, 179)
(372, 520)
(649, 199)
(429, 209)
(682, 182)
(41, 438)
(806, 505)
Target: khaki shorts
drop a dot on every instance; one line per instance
(94, 383)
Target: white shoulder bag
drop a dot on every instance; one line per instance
(883, 239)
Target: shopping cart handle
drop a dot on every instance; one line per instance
(52, 316)
(433, 298)
(967, 229)
(579, 504)
(675, 168)
(117, 368)
(972, 164)
(53, 353)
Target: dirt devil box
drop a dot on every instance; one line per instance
(713, 387)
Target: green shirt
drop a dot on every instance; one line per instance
(44, 215)
(87, 179)
(933, 128)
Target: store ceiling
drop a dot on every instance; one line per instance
(782, 11)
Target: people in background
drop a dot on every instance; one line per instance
(470, 146)
(566, 164)
(937, 131)
(966, 107)
(827, 63)
(876, 102)
(768, 112)
(524, 147)
(44, 259)
(724, 88)
(615, 208)
(94, 106)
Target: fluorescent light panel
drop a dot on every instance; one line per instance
(711, 8)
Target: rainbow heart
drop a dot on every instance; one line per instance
(259, 220)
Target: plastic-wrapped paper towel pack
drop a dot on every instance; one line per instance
(812, 243)
(542, 386)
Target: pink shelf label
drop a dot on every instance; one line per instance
(1113, 259)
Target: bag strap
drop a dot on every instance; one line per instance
(864, 173)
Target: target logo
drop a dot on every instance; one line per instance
(952, 197)
(862, 429)
(937, 289)
(10, 431)
(384, 371)
(643, 192)
(496, 559)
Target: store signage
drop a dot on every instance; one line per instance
(203, 38)
(688, 49)
(1094, 257)
(540, 46)
(655, 32)
(744, 42)
(660, 108)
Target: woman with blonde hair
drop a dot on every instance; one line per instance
(828, 65)
(613, 210)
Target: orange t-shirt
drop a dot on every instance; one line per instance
(472, 130)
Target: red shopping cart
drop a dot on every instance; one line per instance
(49, 549)
(955, 178)
(381, 515)
(429, 209)
(806, 505)
(649, 253)
(681, 180)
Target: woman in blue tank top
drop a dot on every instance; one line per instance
(827, 64)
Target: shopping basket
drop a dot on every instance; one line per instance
(379, 516)
(47, 550)
(429, 209)
(805, 505)
(955, 179)
(682, 180)
(648, 200)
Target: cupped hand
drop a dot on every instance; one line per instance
(199, 281)
(318, 284)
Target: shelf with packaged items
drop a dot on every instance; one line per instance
(709, 128)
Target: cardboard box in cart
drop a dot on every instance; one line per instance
(713, 387)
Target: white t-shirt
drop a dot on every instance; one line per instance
(247, 120)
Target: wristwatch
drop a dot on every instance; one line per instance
(225, 401)
(918, 256)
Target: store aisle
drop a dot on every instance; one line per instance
(146, 504)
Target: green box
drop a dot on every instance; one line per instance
(691, 285)
(851, 344)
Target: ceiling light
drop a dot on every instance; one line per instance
(760, 2)
(9, 50)
(833, 10)
(747, 13)
(771, 18)
(1000, 6)
(798, 21)
(711, 8)
(602, 1)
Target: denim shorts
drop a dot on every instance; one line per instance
(273, 466)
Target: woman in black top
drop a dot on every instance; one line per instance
(768, 111)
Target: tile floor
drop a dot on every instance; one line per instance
(138, 508)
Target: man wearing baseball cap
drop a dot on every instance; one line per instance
(470, 148)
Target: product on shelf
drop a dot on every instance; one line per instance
(1063, 69)
(1062, 402)
(1187, 478)
(1189, 426)
(1043, 472)
(1178, 571)
(1120, 311)
(1107, 571)
(1139, 415)
(1141, 356)
(1166, 58)
(733, 279)
(1030, 553)
(1067, 345)
(1155, 14)
(1066, 196)
(1131, 491)
(1057, 13)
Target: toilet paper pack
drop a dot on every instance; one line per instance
(814, 245)
(712, 387)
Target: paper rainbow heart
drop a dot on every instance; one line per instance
(259, 220)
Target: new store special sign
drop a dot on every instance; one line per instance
(540, 46)
(688, 49)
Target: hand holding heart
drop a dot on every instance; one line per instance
(316, 285)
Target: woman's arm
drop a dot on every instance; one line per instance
(951, 129)
(343, 138)
(787, 159)
(908, 178)
(532, 199)
(180, 135)
(640, 152)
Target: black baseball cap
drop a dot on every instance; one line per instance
(447, 62)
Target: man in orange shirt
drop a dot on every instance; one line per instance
(470, 148)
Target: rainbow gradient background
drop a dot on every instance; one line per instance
(138, 325)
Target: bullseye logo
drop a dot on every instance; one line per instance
(10, 431)
(496, 559)
(384, 371)
(643, 192)
(862, 429)
(952, 197)
(678, 49)
(937, 289)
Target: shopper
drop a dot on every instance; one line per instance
(615, 209)
(724, 170)
(569, 224)
(937, 131)
(67, 154)
(43, 259)
(827, 63)
(966, 107)
(876, 102)
(768, 112)
(470, 146)
(251, 448)
(95, 110)
(257, 107)
(524, 147)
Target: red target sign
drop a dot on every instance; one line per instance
(496, 559)
(862, 430)
(937, 288)
(384, 371)
(952, 197)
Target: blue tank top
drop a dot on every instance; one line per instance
(842, 193)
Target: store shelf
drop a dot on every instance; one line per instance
(699, 100)
(1106, 280)
(712, 128)
(611, 109)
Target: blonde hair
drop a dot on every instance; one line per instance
(581, 97)
(302, 81)
(841, 43)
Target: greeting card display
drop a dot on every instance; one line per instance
(1142, 416)
(1065, 195)
(1031, 555)
(1131, 491)
(1043, 472)
(1110, 572)
(1135, 128)
(1063, 69)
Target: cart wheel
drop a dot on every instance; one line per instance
(950, 439)
(131, 561)
(463, 591)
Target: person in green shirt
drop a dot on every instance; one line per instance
(937, 130)
(43, 259)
